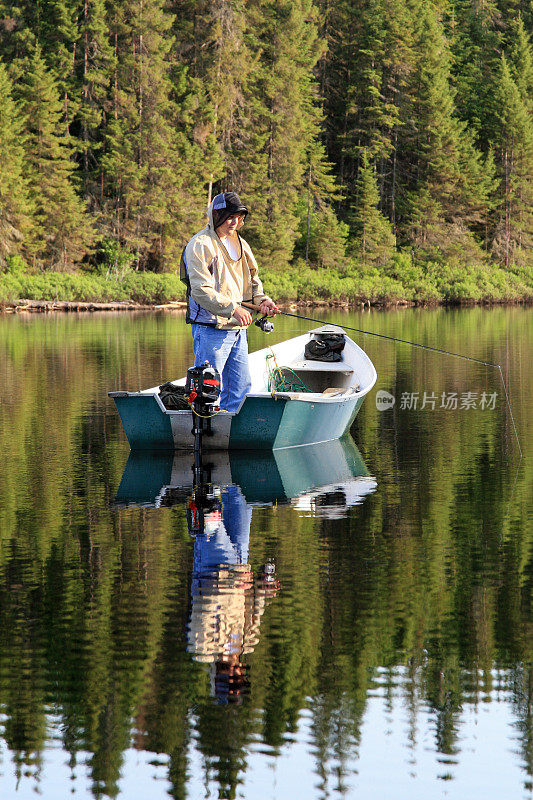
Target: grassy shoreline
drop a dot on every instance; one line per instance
(431, 286)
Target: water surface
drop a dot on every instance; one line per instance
(369, 632)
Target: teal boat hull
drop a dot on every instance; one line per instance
(320, 411)
(263, 423)
(264, 477)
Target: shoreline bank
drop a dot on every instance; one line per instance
(75, 306)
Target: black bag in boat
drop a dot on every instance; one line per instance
(173, 397)
(326, 348)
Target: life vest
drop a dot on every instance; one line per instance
(195, 313)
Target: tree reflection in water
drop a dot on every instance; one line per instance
(418, 595)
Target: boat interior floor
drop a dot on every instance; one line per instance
(318, 377)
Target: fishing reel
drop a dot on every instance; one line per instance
(265, 324)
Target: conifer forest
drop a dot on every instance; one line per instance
(385, 140)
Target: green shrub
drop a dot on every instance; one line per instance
(139, 287)
(113, 261)
(15, 265)
(399, 280)
(10, 289)
(149, 287)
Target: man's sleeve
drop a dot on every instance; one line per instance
(200, 269)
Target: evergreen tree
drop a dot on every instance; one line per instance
(54, 26)
(163, 103)
(521, 62)
(375, 240)
(367, 68)
(449, 182)
(147, 185)
(58, 40)
(513, 236)
(287, 118)
(15, 209)
(95, 68)
(322, 236)
(20, 28)
(62, 229)
(475, 34)
(225, 80)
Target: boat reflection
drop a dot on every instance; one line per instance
(321, 479)
(219, 489)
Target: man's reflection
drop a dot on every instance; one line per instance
(227, 600)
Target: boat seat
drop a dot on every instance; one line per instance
(321, 366)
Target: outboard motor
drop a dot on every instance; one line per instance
(203, 386)
(203, 389)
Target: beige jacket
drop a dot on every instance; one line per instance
(226, 615)
(218, 283)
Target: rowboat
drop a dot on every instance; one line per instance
(320, 404)
(321, 480)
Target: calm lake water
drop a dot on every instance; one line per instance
(368, 632)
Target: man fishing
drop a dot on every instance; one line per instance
(221, 273)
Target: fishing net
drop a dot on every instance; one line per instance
(283, 379)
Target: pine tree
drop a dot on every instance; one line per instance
(147, 180)
(53, 25)
(164, 103)
(225, 81)
(367, 68)
(374, 243)
(211, 40)
(448, 180)
(194, 165)
(475, 35)
(62, 229)
(521, 62)
(285, 114)
(371, 92)
(94, 69)
(15, 210)
(513, 236)
(58, 40)
(322, 236)
(20, 28)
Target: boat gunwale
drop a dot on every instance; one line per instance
(303, 396)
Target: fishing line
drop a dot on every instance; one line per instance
(424, 347)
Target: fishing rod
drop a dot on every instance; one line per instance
(263, 322)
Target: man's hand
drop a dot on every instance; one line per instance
(243, 317)
(269, 308)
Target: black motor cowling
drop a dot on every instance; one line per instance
(203, 385)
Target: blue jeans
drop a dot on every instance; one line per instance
(228, 544)
(228, 352)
